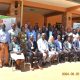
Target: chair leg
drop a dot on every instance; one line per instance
(66, 59)
(13, 65)
(24, 65)
(10, 62)
(58, 59)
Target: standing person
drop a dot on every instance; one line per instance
(64, 36)
(36, 27)
(4, 39)
(39, 34)
(18, 27)
(44, 28)
(55, 33)
(69, 32)
(49, 31)
(12, 32)
(22, 37)
(31, 32)
(75, 35)
(78, 31)
(26, 28)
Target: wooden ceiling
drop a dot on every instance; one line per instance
(61, 3)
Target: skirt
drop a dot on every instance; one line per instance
(16, 56)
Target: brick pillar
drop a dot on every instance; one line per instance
(67, 20)
(15, 12)
(45, 20)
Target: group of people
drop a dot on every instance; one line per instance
(46, 44)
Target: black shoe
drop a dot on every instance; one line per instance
(43, 63)
(1, 66)
(6, 65)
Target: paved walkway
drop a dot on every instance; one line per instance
(62, 71)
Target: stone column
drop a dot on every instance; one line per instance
(45, 20)
(67, 20)
(15, 11)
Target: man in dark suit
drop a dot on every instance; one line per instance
(33, 52)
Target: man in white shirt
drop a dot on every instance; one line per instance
(12, 32)
(43, 46)
(4, 39)
(75, 35)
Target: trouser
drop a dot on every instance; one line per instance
(77, 53)
(52, 55)
(4, 55)
(38, 55)
(67, 54)
(70, 54)
(61, 56)
(24, 50)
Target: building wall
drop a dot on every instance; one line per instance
(54, 19)
(75, 21)
(33, 18)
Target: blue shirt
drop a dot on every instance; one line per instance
(4, 36)
(29, 33)
(58, 45)
(16, 47)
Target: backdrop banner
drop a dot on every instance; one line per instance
(76, 25)
(8, 21)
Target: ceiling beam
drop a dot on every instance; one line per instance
(73, 8)
(76, 18)
(53, 14)
(43, 6)
(3, 12)
(6, 1)
(76, 12)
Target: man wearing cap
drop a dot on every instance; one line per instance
(4, 39)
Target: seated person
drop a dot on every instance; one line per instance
(76, 46)
(33, 52)
(67, 48)
(58, 44)
(17, 54)
(59, 48)
(52, 48)
(43, 47)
